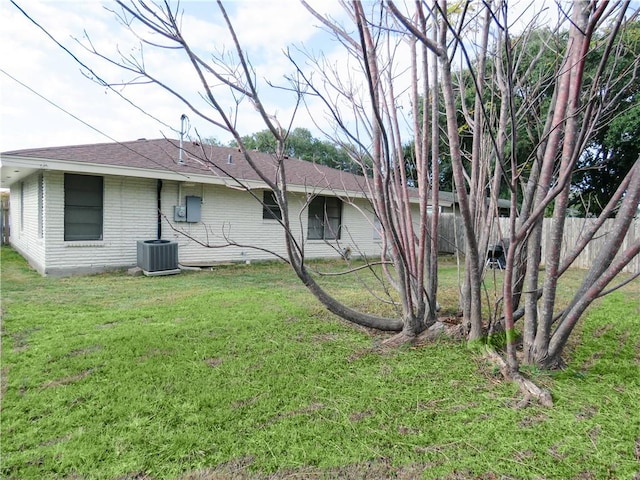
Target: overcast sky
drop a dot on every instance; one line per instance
(43, 88)
(39, 79)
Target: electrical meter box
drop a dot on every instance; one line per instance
(180, 213)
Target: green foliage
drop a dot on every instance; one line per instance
(301, 144)
(112, 376)
(616, 144)
(536, 60)
(213, 141)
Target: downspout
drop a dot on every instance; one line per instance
(159, 200)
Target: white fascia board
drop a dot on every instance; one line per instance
(101, 169)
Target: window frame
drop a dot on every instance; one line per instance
(82, 199)
(377, 230)
(331, 215)
(270, 208)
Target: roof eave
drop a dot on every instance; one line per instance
(30, 165)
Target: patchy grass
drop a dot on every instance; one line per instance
(237, 373)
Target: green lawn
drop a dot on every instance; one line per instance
(238, 373)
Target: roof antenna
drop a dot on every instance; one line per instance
(182, 120)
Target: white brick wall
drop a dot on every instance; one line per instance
(229, 214)
(130, 214)
(24, 221)
(129, 208)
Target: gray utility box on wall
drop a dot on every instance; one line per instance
(190, 212)
(158, 256)
(194, 204)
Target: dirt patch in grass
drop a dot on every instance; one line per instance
(357, 416)
(239, 469)
(534, 420)
(236, 469)
(376, 349)
(107, 325)
(555, 452)
(4, 375)
(357, 354)
(586, 413)
(154, 352)
(623, 338)
(402, 430)
(467, 475)
(136, 476)
(79, 352)
(585, 476)
(300, 411)
(20, 339)
(70, 379)
(55, 441)
(325, 337)
(594, 433)
(84, 351)
(523, 456)
(213, 362)
(246, 401)
(592, 360)
(375, 469)
(601, 330)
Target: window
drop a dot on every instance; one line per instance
(325, 218)
(270, 207)
(377, 230)
(82, 207)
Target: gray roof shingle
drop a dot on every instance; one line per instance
(225, 162)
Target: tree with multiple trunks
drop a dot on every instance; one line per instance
(419, 52)
(567, 122)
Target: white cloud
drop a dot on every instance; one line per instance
(27, 55)
(264, 28)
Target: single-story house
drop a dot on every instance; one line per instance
(84, 208)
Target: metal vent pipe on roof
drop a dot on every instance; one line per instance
(182, 120)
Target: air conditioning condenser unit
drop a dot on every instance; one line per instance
(158, 257)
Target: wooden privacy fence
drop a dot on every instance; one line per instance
(452, 237)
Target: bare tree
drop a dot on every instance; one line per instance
(409, 237)
(431, 36)
(571, 118)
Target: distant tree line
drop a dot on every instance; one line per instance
(300, 143)
(610, 153)
(611, 150)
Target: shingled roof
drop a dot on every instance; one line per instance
(200, 162)
(159, 158)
